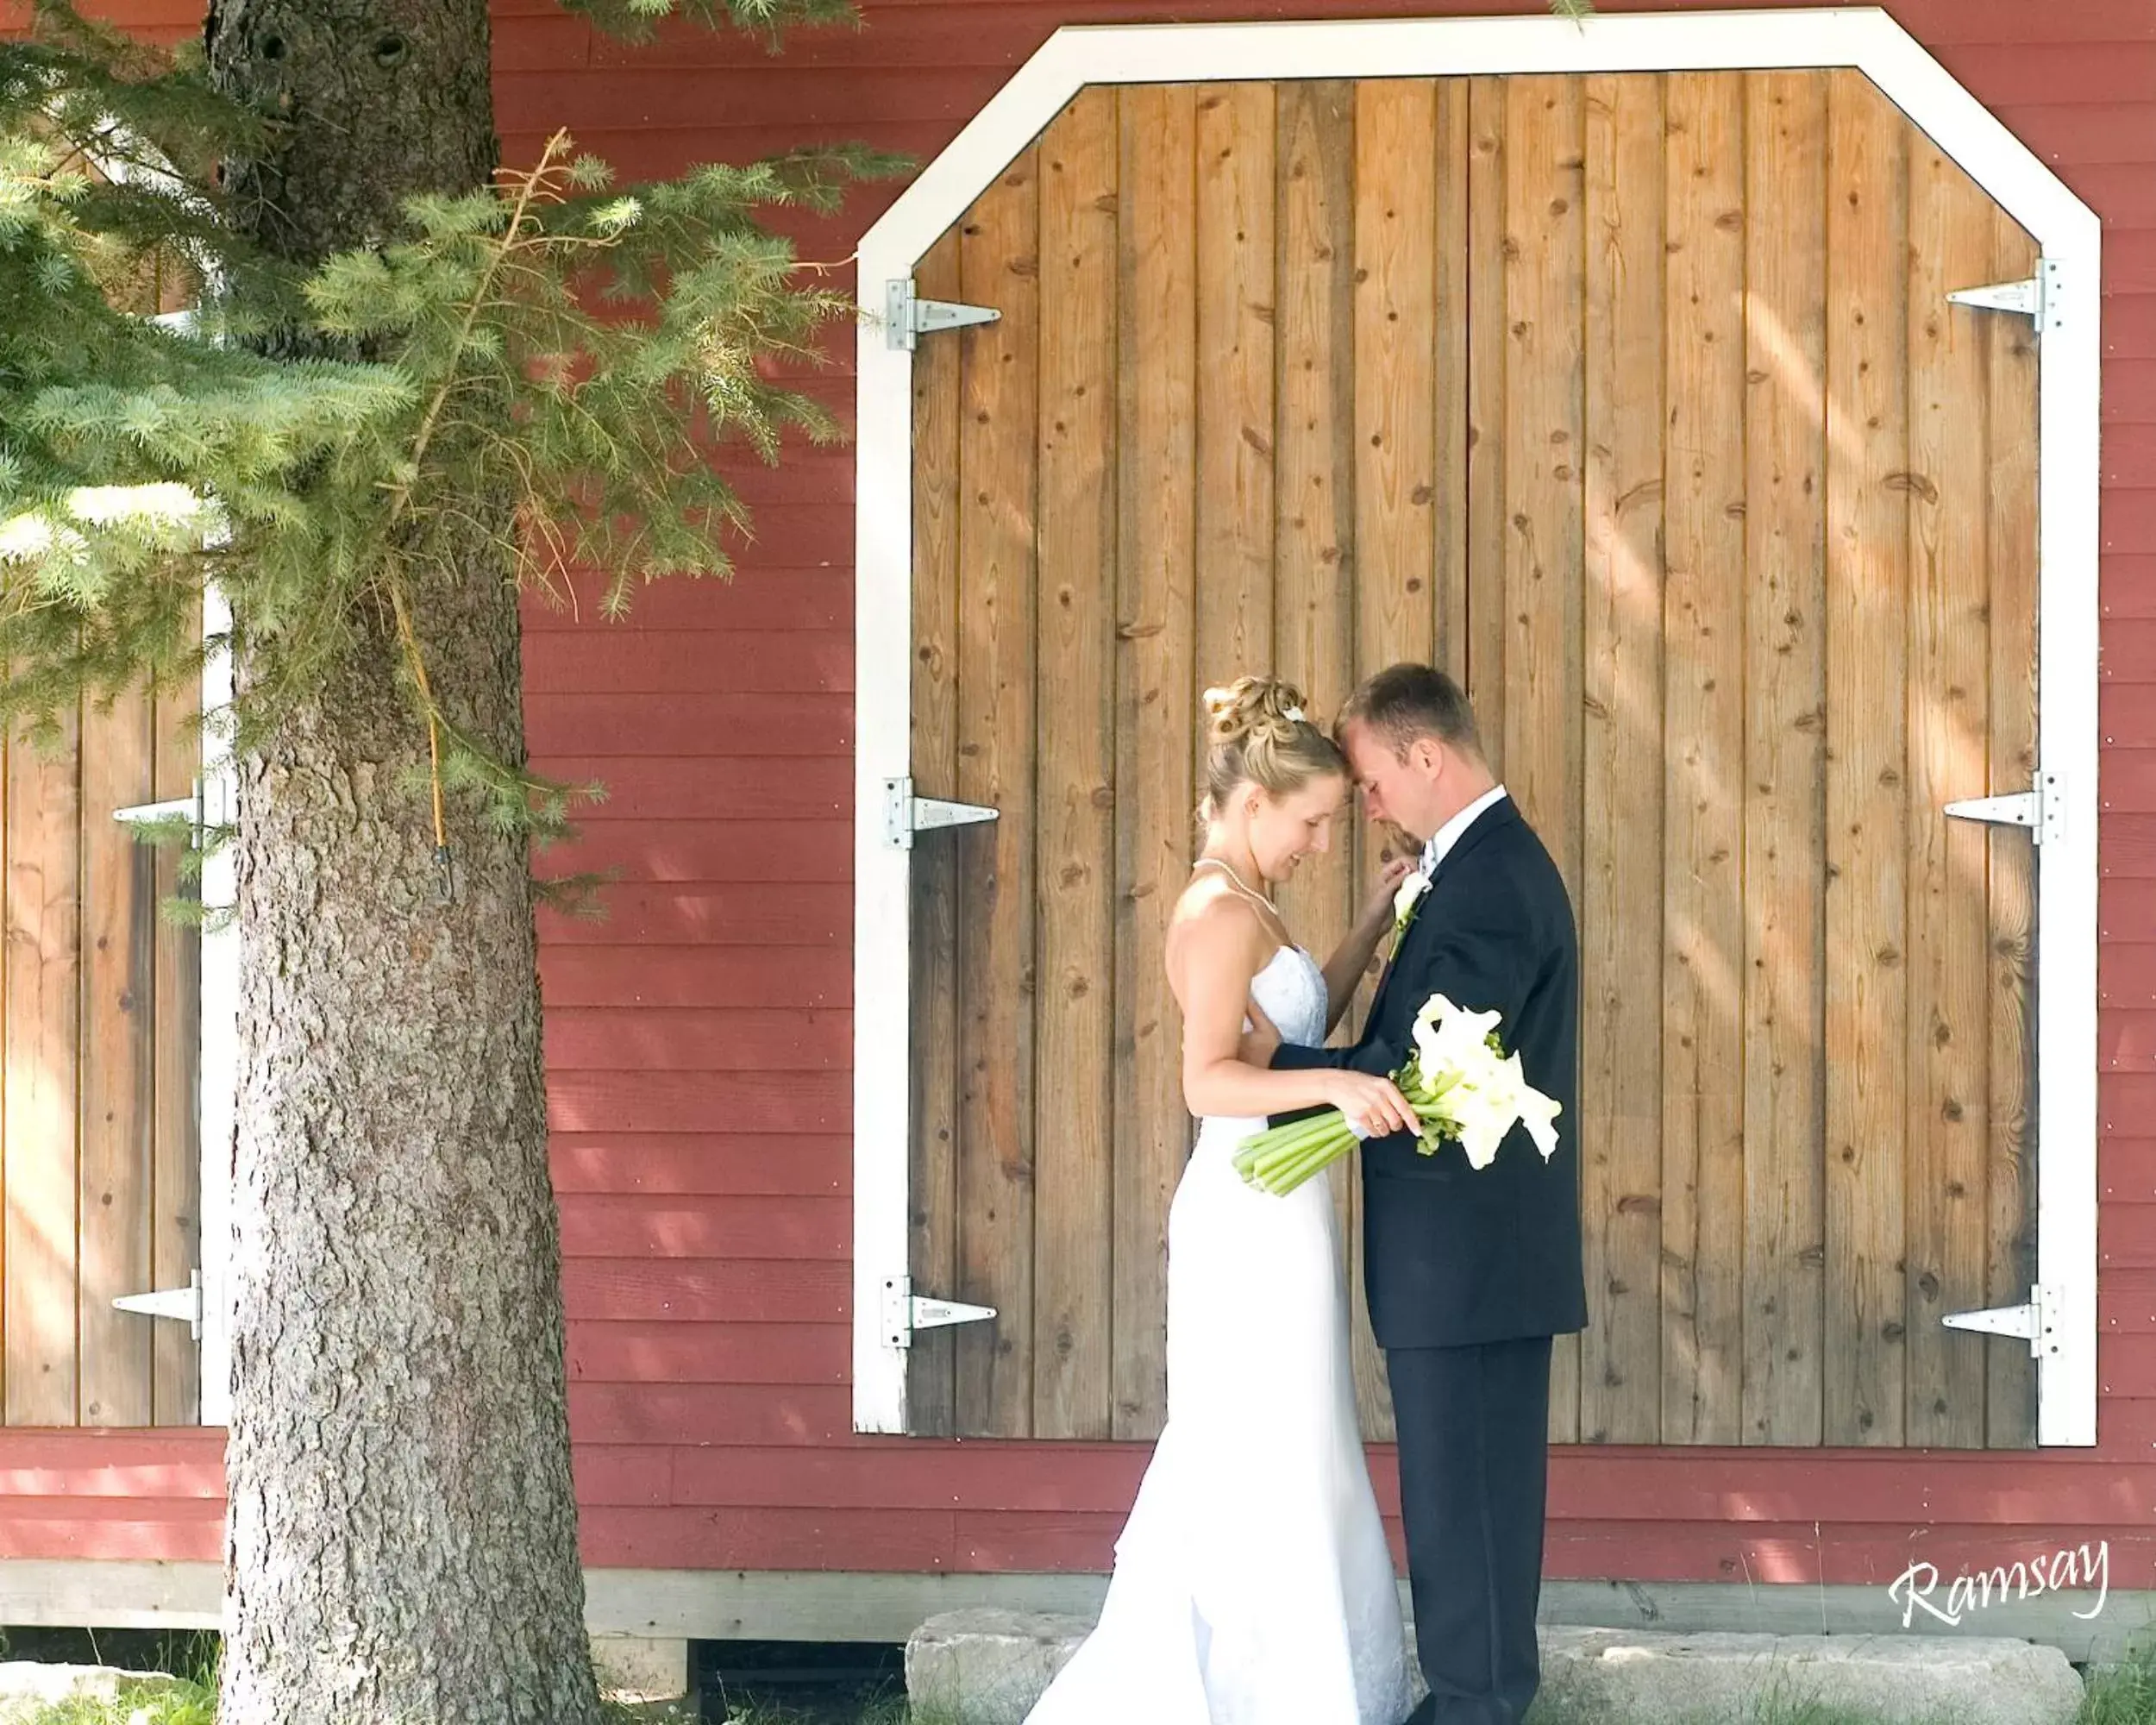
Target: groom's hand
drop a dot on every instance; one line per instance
(1258, 1042)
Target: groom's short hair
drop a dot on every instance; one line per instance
(1403, 702)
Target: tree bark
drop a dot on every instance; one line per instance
(402, 1530)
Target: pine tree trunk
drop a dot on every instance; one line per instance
(402, 1533)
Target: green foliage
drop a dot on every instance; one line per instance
(535, 375)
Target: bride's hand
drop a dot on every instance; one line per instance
(1260, 1040)
(1379, 905)
(1373, 1106)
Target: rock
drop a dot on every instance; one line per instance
(988, 1667)
(1610, 1676)
(984, 1666)
(29, 1688)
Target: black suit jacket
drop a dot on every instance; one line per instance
(1452, 1255)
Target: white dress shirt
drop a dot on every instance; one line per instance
(1449, 834)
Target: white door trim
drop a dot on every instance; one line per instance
(1861, 38)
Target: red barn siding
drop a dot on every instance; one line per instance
(697, 1039)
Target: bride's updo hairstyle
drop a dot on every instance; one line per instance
(1256, 733)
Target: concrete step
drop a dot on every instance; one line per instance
(988, 1667)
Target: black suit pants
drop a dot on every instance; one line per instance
(1473, 1433)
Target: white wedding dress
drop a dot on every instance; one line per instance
(1252, 1583)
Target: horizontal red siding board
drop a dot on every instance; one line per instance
(750, 1103)
(732, 914)
(708, 1413)
(2128, 585)
(747, 1291)
(713, 851)
(758, 600)
(690, 1039)
(626, 975)
(658, 787)
(768, 1538)
(2125, 781)
(2126, 1041)
(611, 1224)
(730, 723)
(2126, 909)
(710, 1353)
(602, 661)
(2125, 710)
(179, 1527)
(2126, 843)
(622, 1474)
(2126, 976)
(614, 1161)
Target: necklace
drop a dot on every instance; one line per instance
(1240, 885)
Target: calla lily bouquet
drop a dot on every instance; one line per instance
(1459, 1081)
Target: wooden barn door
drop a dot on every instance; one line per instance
(100, 1168)
(1638, 402)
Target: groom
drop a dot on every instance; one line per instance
(1469, 1273)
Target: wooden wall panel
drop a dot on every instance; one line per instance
(1543, 543)
(1707, 617)
(1620, 817)
(939, 897)
(1867, 790)
(1155, 680)
(1784, 759)
(2009, 350)
(117, 1199)
(1717, 567)
(1948, 1143)
(999, 266)
(1073, 994)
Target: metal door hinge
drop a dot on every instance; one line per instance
(905, 814)
(907, 316)
(904, 1312)
(181, 1304)
(2036, 1319)
(2037, 299)
(2043, 810)
(204, 809)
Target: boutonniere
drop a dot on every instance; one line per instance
(1405, 901)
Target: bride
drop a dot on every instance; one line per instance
(1252, 1581)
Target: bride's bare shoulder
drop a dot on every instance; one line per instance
(1210, 916)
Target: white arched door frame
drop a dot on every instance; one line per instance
(2061, 1312)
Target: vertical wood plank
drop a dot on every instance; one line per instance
(1317, 568)
(176, 1244)
(1234, 376)
(1450, 339)
(1705, 625)
(1489, 532)
(1867, 799)
(116, 1196)
(1950, 245)
(44, 816)
(933, 1219)
(1784, 866)
(1543, 256)
(1075, 1000)
(1398, 318)
(2009, 345)
(1156, 704)
(1395, 386)
(998, 437)
(1619, 881)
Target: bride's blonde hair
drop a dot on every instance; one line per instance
(1257, 733)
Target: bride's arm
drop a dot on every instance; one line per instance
(1211, 963)
(1351, 957)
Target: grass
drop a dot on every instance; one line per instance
(2120, 1693)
